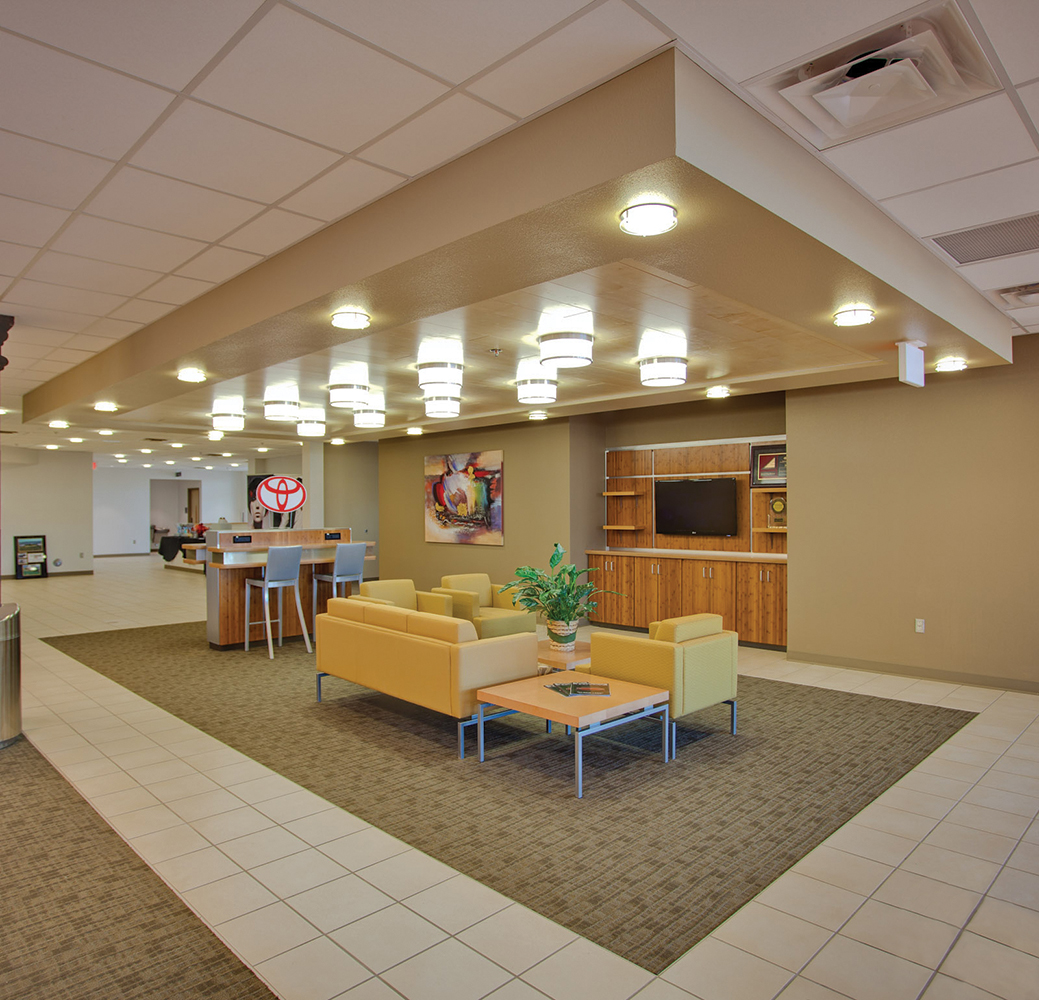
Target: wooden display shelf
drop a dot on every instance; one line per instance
(621, 493)
(772, 530)
(768, 489)
(620, 527)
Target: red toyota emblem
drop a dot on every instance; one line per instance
(281, 494)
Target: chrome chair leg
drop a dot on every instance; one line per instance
(302, 620)
(247, 591)
(267, 618)
(281, 613)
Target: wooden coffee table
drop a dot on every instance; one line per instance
(585, 715)
(580, 655)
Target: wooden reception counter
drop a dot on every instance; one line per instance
(232, 557)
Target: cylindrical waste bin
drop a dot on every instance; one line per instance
(10, 674)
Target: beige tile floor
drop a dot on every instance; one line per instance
(931, 891)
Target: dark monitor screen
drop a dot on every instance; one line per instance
(695, 506)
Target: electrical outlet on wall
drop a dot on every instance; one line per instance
(919, 624)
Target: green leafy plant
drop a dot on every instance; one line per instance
(560, 593)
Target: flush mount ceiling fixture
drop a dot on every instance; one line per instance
(853, 315)
(311, 422)
(565, 337)
(104, 406)
(649, 218)
(661, 358)
(415, 432)
(374, 414)
(351, 318)
(59, 425)
(337, 441)
(348, 388)
(538, 415)
(951, 365)
(718, 392)
(535, 382)
(281, 402)
(229, 414)
(191, 375)
(215, 435)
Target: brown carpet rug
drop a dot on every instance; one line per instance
(651, 860)
(83, 916)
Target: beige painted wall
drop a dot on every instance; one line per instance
(536, 502)
(919, 503)
(351, 493)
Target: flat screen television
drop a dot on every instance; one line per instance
(695, 506)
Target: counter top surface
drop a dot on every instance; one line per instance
(776, 557)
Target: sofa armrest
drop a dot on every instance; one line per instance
(434, 603)
(640, 660)
(465, 603)
(506, 600)
(484, 662)
(370, 600)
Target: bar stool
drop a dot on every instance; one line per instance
(347, 569)
(282, 570)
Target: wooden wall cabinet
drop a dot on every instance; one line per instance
(709, 587)
(614, 573)
(761, 602)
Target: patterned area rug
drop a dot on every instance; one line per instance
(83, 916)
(651, 860)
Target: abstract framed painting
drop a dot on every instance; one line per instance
(464, 498)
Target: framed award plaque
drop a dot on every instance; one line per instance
(768, 465)
(777, 511)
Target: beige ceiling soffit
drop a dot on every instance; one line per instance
(719, 134)
(620, 126)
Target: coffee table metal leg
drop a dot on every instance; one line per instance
(665, 732)
(479, 731)
(578, 762)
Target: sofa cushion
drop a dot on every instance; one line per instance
(386, 616)
(442, 628)
(689, 627)
(401, 592)
(480, 583)
(341, 607)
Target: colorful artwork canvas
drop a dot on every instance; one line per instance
(464, 498)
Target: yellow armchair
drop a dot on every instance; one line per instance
(693, 657)
(476, 599)
(402, 594)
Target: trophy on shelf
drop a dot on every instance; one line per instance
(777, 512)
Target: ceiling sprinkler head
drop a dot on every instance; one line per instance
(495, 351)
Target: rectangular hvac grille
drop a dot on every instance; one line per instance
(996, 240)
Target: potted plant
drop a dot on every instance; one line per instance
(560, 594)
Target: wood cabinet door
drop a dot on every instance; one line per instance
(709, 587)
(775, 604)
(761, 603)
(623, 580)
(644, 607)
(599, 578)
(668, 578)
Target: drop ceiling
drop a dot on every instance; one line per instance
(151, 152)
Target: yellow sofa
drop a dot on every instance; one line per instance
(476, 599)
(429, 660)
(402, 594)
(693, 657)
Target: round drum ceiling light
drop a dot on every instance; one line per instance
(718, 392)
(415, 432)
(215, 435)
(441, 364)
(229, 414)
(950, 365)
(105, 407)
(191, 375)
(649, 219)
(854, 315)
(374, 414)
(538, 415)
(535, 382)
(655, 372)
(348, 387)
(59, 425)
(281, 402)
(443, 406)
(337, 441)
(565, 337)
(351, 319)
(311, 422)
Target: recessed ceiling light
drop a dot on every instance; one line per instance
(106, 433)
(263, 449)
(351, 319)
(215, 435)
(538, 415)
(176, 444)
(196, 458)
(122, 461)
(105, 407)
(59, 425)
(51, 447)
(337, 441)
(4, 411)
(146, 451)
(169, 461)
(649, 219)
(853, 315)
(119, 456)
(191, 375)
(209, 467)
(718, 392)
(415, 431)
(76, 440)
(147, 465)
(950, 365)
(234, 465)
(226, 454)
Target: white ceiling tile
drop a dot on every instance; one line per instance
(342, 190)
(210, 147)
(83, 272)
(974, 137)
(51, 368)
(1030, 96)
(34, 335)
(39, 171)
(746, 38)
(142, 312)
(20, 346)
(28, 223)
(1026, 317)
(155, 39)
(973, 201)
(14, 257)
(172, 206)
(85, 342)
(1012, 26)
(453, 38)
(52, 96)
(272, 231)
(313, 81)
(590, 49)
(113, 329)
(121, 244)
(176, 290)
(82, 300)
(67, 354)
(219, 264)
(439, 134)
(48, 319)
(1003, 273)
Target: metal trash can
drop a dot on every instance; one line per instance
(10, 674)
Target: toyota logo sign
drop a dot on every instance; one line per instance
(281, 494)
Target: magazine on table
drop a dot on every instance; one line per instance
(580, 688)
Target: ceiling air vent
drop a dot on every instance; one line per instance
(996, 240)
(907, 70)
(1021, 296)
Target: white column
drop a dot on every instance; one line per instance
(313, 512)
